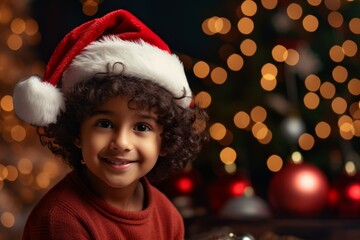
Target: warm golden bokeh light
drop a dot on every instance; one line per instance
(218, 75)
(327, 90)
(335, 19)
(18, 133)
(339, 105)
(336, 53)
(228, 155)
(314, 2)
(269, 4)
(310, 23)
(258, 114)
(241, 120)
(203, 99)
(31, 27)
(269, 71)
(25, 166)
(279, 53)
(248, 47)
(293, 57)
(14, 42)
(274, 163)
(350, 48)
(323, 130)
(6, 103)
(259, 130)
(217, 131)
(354, 25)
(294, 11)
(333, 4)
(340, 74)
(306, 141)
(235, 62)
(268, 84)
(17, 25)
(7, 219)
(201, 69)
(312, 83)
(245, 25)
(354, 86)
(311, 100)
(267, 138)
(248, 8)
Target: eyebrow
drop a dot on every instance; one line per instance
(139, 114)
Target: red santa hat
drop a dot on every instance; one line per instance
(89, 49)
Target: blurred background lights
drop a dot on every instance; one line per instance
(235, 62)
(339, 105)
(248, 47)
(340, 74)
(314, 2)
(17, 25)
(335, 19)
(217, 131)
(218, 75)
(296, 157)
(228, 155)
(245, 25)
(311, 100)
(248, 8)
(7, 219)
(274, 163)
(322, 130)
(258, 114)
(327, 90)
(312, 82)
(310, 23)
(294, 11)
(350, 168)
(203, 99)
(336, 53)
(201, 69)
(306, 141)
(241, 120)
(279, 53)
(269, 4)
(350, 48)
(6, 103)
(14, 42)
(354, 25)
(292, 57)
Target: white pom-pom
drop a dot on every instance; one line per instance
(37, 102)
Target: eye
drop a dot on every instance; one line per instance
(104, 124)
(141, 127)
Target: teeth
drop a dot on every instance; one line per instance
(117, 163)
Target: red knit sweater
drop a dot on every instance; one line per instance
(71, 211)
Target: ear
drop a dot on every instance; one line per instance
(77, 142)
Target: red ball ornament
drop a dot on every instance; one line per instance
(226, 187)
(347, 189)
(299, 190)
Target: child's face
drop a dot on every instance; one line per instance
(120, 145)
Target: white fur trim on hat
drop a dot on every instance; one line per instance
(37, 102)
(140, 59)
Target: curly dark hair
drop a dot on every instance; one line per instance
(183, 128)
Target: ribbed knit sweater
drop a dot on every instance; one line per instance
(71, 211)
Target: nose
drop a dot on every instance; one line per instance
(122, 141)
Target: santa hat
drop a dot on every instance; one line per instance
(118, 37)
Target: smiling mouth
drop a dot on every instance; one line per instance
(116, 162)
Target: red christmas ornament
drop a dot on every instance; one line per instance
(347, 189)
(299, 190)
(226, 187)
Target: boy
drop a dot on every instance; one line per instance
(115, 104)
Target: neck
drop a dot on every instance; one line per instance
(128, 198)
